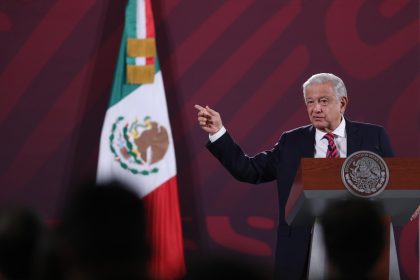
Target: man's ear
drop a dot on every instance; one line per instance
(343, 104)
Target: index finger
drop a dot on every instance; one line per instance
(198, 107)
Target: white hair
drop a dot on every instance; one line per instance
(321, 78)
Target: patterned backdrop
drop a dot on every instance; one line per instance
(245, 58)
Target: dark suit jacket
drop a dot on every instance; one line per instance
(281, 164)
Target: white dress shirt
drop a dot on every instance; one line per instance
(340, 139)
(217, 135)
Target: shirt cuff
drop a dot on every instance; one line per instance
(217, 135)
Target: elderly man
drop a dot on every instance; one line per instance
(330, 135)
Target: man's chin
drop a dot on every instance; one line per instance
(319, 125)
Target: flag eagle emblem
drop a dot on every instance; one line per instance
(138, 146)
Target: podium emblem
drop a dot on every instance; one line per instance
(365, 174)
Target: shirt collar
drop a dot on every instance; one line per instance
(340, 131)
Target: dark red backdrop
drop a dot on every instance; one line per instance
(245, 58)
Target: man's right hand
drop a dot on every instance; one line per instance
(209, 120)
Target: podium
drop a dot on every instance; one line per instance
(318, 182)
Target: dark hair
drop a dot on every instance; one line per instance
(21, 235)
(354, 232)
(212, 266)
(103, 230)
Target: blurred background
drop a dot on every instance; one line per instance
(246, 59)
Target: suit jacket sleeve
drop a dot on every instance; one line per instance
(257, 169)
(385, 144)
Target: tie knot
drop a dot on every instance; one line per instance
(329, 136)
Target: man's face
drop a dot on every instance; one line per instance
(324, 109)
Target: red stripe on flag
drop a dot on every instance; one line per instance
(150, 27)
(165, 232)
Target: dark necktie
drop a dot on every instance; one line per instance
(332, 151)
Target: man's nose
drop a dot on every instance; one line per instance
(318, 107)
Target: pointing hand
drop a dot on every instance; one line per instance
(209, 120)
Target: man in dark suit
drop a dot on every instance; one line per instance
(329, 135)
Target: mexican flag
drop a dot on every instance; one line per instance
(136, 146)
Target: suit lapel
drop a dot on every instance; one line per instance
(354, 139)
(308, 143)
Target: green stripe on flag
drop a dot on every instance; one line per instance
(120, 88)
(130, 60)
(131, 19)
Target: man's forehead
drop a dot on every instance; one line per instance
(324, 89)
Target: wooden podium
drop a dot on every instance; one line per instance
(318, 182)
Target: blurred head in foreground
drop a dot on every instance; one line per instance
(224, 267)
(354, 232)
(103, 235)
(21, 237)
